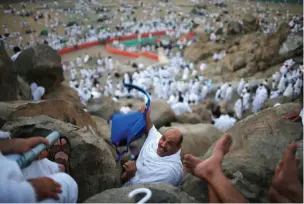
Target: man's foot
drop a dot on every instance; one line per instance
(190, 162)
(286, 181)
(204, 169)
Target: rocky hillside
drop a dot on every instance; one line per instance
(248, 53)
(258, 140)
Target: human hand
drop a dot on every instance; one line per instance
(20, 145)
(45, 188)
(130, 169)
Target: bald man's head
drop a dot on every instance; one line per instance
(170, 142)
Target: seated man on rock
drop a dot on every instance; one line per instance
(42, 181)
(159, 159)
(286, 186)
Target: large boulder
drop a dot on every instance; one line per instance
(103, 128)
(281, 100)
(161, 113)
(104, 132)
(201, 50)
(198, 138)
(270, 45)
(235, 61)
(203, 112)
(190, 118)
(293, 44)
(103, 107)
(12, 87)
(161, 193)
(258, 143)
(40, 64)
(58, 109)
(66, 93)
(92, 164)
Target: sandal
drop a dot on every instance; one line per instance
(65, 148)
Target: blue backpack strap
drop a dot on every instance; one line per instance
(141, 90)
(119, 154)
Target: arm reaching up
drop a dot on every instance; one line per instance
(149, 123)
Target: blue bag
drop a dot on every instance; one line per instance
(128, 127)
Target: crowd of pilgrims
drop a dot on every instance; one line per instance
(178, 82)
(77, 33)
(180, 85)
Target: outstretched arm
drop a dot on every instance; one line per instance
(20, 145)
(149, 123)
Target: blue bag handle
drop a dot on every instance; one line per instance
(119, 154)
(141, 90)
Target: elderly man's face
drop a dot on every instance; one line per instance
(169, 143)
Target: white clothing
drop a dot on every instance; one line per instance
(204, 92)
(126, 78)
(259, 99)
(288, 91)
(14, 57)
(79, 61)
(246, 99)
(274, 94)
(86, 58)
(99, 61)
(218, 95)
(223, 90)
(284, 69)
(12, 181)
(151, 168)
(33, 86)
(172, 100)
(186, 73)
(212, 37)
(273, 85)
(241, 86)
(38, 93)
(110, 64)
(125, 109)
(15, 188)
(203, 66)
(224, 122)
(180, 108)
(4, 135)
(228, 95)
(276, 76)
(238, 109)
(282, 84)
(298, 86)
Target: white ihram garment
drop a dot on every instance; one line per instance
(15, 188)
(152, 168)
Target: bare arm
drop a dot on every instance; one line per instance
(19, 145)
(149, 123)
